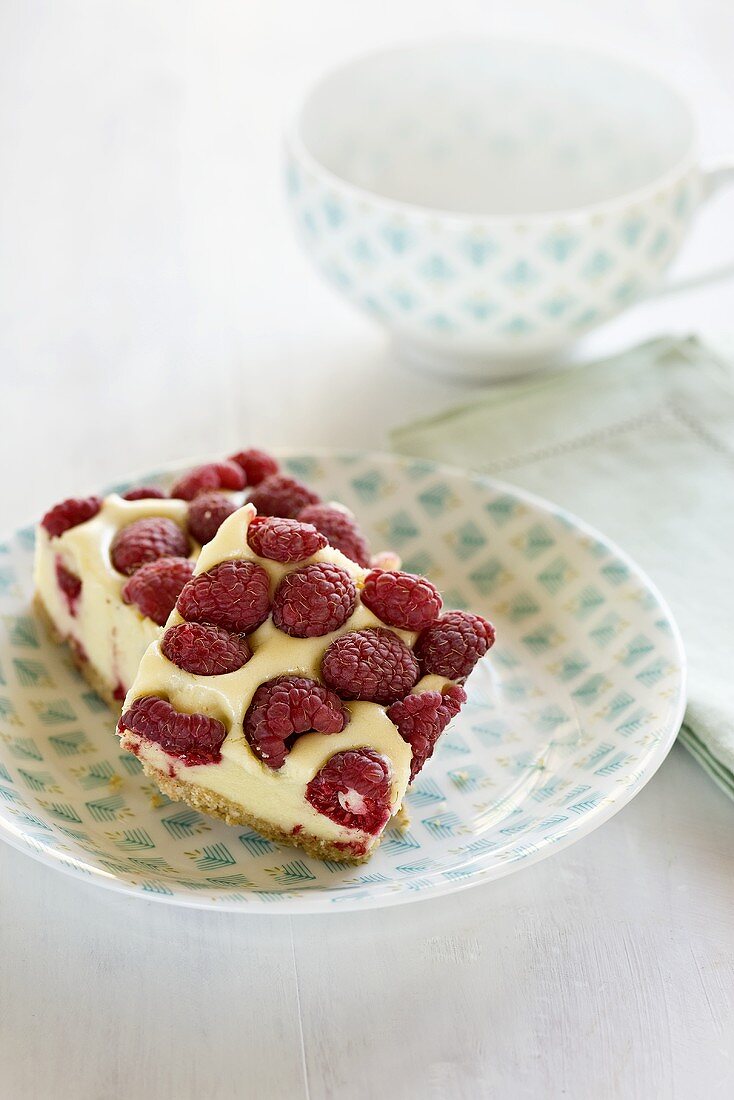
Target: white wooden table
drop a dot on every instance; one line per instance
(154, 306)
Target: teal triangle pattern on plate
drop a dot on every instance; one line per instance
(567, 717)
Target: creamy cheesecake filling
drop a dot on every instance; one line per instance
(276, 797)
(107, 632)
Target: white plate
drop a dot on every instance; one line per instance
(568, 717)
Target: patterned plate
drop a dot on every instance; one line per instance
(571, 714)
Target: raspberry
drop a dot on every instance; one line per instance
(256, 464)
(314, 600)
(205, 650)
(155, 587)
(147, 540)
(283, 496)
(452, 645)
(70, 513)
(234, 595)
(402, 600)
(340, 528)
(145, 492)
(422, 718)
(70, 585)
(282, 709)
(202, 479)
(196, 738)
(370, 664)
(206, 513)
(284, 540)
(353, 789)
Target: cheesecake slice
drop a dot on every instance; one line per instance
(295, 690)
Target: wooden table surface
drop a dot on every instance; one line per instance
(153, 305)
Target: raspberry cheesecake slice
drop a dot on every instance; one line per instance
(295, 690)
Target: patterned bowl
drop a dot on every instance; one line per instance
(567, 718)
(492, 201)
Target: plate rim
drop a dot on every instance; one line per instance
(319, 901)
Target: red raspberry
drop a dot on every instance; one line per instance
(145, 492)
(340, 528)
(353, 789)
(196, 738)
(370, 664)
(147, 540)
(282, 709)
(452, 645)
(70, 513)
(206, 513)
(284, 540)
(202, 479)
(70, 585)
(205, 650)
(314, 600)
(256, 464)
(403, 600)
(155, 587)
(234, 595)
(283, 496)
(422, 718)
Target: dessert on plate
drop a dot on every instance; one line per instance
(108, 571)
(296, 689)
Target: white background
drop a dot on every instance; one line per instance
(153, 305)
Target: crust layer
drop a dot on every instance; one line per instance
(216, 805)
(92, 675)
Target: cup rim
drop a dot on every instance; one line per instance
(403, 210)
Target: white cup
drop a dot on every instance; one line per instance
(491, 201)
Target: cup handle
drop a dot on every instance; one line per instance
(716, 177)
(712, 180)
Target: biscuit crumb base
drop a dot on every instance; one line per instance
(218, 806)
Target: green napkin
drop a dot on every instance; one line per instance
(642, 446)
